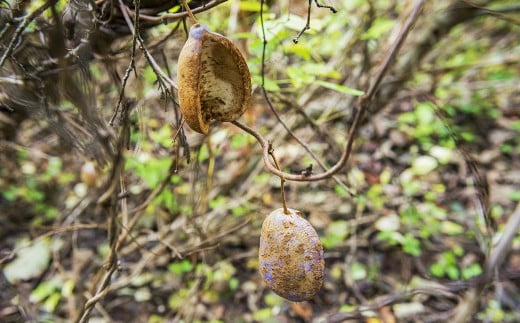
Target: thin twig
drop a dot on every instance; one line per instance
(308, 22)
(25, 22)
(109, 199)
(190, 14)
(155, 67)
(179, 15)
(131, 66)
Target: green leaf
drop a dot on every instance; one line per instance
(423, 165)
(177, 299)
(375, 196)
(52, 302)
(10, 193)
(515, 125)
(262, 315)
(68, 288)
(154, 318)
(411, 245)
(240, 210)
(30, 261)
(378, 28)
(472, 270)
(298, 76)
(224, 271)
(340, 191)
(300, 49)
(270, 85)
(54, 166)
(514, 195)
(335, 233)
(411, 216)
(321, 69)
(155, 171)
(296, 23)
(234, 283)
(239, 141)
(452, 272)
(451, 228)
(449, 258)
(180, 268)
(437, 269)
(358, 271)
(385, 177)
(44, 290)
(167, 199)
(347, 308)
(203, 153)
(391, 237)
(407, 117)
(458, 251)
(142, 294)
(425, 113)
(252, 6)
(444, 155)
(274, 30)
(243, 35)
(218, 202)
(339, 88)
(162, 136)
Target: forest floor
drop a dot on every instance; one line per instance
(410, 226)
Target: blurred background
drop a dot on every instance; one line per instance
(111, 211)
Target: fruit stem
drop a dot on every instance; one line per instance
(190, 14)
(284, 204)
(282, 180)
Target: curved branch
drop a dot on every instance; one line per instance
(304, 177)
(363, 104)
(178, 15)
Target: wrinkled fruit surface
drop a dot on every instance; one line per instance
(213, 79)
(291, 256)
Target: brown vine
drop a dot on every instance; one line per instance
(362, 105)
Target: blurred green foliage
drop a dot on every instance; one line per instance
(414, 225)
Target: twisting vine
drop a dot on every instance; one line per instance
(362, 105)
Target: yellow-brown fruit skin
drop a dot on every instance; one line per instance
(291, 256)
(213, 79)
(88, 174)
(188, 83)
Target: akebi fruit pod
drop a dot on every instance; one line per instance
(291, 256)
(213, 79)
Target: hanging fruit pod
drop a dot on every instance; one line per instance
(291, 256)
(213, 79)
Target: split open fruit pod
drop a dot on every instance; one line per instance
(291, 256)
(213, 79)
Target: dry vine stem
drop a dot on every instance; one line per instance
(362, 105)
(168, 17)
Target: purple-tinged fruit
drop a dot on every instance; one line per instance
(291, 256)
